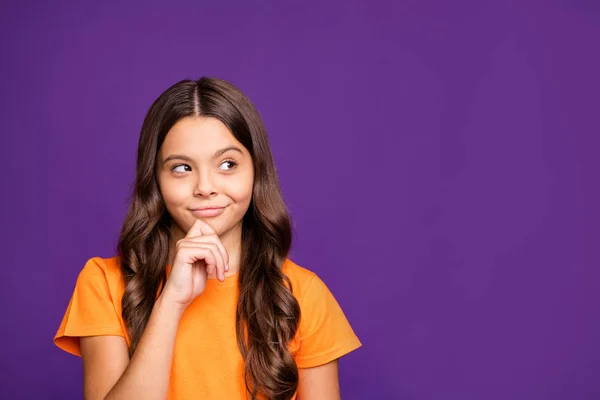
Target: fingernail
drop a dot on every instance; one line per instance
(227, 268)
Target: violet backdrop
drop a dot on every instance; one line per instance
(439, 160)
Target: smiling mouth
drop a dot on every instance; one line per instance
(208, 212)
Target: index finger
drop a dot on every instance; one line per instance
(195, 229)
(199, 228)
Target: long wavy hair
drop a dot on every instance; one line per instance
(267, 313)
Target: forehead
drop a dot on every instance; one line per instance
(198, 136)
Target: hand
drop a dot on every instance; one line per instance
(198, 254)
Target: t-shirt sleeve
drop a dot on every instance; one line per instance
(324, 333)
(90, 312)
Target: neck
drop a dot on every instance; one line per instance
(231, 240)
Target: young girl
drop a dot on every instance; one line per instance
(201, 301)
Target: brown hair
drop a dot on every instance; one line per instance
(267, 314)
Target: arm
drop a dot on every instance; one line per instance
(110, 375)
(319, 383)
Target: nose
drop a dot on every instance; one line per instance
(205, 185)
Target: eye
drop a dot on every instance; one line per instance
(227, 165)
(174, 169)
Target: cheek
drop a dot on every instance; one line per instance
(173, 193)
(241, 189)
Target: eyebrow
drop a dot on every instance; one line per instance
(218, 153)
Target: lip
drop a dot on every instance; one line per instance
(208, 211)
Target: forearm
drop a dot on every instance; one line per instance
(148, 373)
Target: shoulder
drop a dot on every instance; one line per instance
(305, 283)
(109, 266)
(98, 269)
(299, 276)
(324, 333)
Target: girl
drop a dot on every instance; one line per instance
(201, 301)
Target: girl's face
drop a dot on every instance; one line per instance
(205, 172)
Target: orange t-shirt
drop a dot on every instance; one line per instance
(207, 363)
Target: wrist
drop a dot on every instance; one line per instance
(167, 307)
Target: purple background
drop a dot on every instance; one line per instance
(439, 159)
